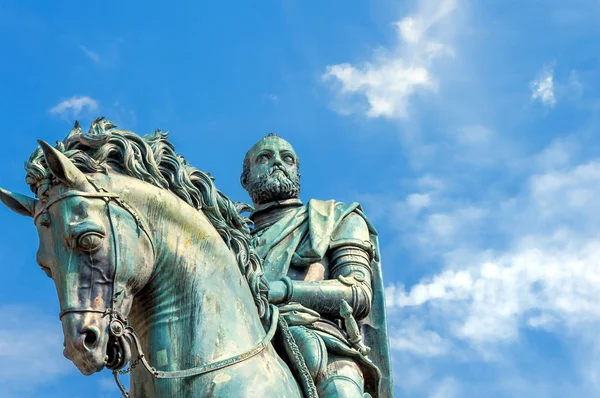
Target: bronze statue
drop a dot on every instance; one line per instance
(322, 263)
(154, 267)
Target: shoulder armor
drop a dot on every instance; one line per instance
(352, 231)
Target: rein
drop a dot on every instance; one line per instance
(127, 331)
(118, 326)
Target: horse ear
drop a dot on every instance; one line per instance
(24, 205)
(62, 167)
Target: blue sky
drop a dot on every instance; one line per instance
(468, 131)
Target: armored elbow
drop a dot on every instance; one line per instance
(351, 266)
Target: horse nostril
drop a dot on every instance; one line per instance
(89, 338)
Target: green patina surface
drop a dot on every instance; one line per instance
(319, 255)
(133, 235)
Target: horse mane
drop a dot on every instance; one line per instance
(152, 158)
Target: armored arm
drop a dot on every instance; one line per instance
(350, 257)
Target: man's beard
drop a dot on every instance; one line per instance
(271, 187)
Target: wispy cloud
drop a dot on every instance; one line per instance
(448, 388)
(30, 350)
(392, 77)
(547, 276)
(542, 87)
(272, 98)
(411, 336)
(575, 87)
(90, 54)
(484, 292)
(538, 275)
(75, 106)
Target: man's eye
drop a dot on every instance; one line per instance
(263, 158)
(288, 159)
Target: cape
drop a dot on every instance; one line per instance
(302, 237)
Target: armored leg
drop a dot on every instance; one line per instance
(342, 378)
(335, 376)
(312, 348)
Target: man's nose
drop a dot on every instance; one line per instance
(277, 161)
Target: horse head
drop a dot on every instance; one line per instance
(96, 252)
(121, 216)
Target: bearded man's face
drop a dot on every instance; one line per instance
(273, 171)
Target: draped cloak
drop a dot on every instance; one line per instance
(302, 237)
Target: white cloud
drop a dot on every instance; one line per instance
(30, 350)
(75, 106)
(443, 230)
(448, 388)
(430, 182)
(542, 88)
(475, 135)
(393, 77)
(575, 86)
(568, 196)
(412, 337)
(538, 275)
(440, 226)
(547, 276)
(538, 285)
(418, 201)
(272, 98)
(107, 384)
(93, 56)
(558, 154)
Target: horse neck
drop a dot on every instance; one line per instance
(197, 306)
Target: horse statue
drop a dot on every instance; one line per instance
(153, 267)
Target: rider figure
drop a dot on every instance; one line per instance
(321, 260)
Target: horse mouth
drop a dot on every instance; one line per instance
(88, 369)
(116, 356)
(89, 362)
(118, 352)
(92, 351)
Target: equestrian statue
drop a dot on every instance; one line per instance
(156, 268)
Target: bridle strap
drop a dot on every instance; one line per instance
(197, 371)
(102, 193)
(211, 367)
(71, 194)
(117, 318)
(76, 310)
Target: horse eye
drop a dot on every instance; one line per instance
(90, 241)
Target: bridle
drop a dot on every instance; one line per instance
(119, 330)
